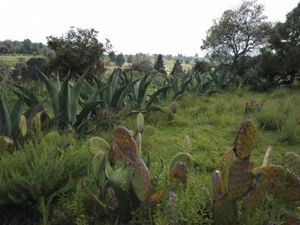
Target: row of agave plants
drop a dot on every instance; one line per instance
(75, 103)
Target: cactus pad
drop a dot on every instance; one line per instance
(126, 144)
(139, 143)
(245, 140)
(291, 161)
(172, 208)
(114, 153)
(178, 174)
(149, 131)
(23, 125)
(253, 198)
(96, 145)
(140, 123)
(140, 179)
(267, 157)
(5, 143)
(37, 123)
(217, 186)
(173, 107)
(239, 179)
(279, 181)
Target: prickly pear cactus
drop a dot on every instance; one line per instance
(279, 181)
(172, 208)
(178, 174)
(96, 145)
(140, 123)
(6, 143)
(140, 179)
(291, 161)
(268, 157)
(245, 140)
(139, 143)
(98, 168)
(23, 125)
(239, 179)
(253, 199)
(225, 212)
(217, 186)
(114, 153)
(126, 144)
(173, 107)
(37, 124)
(186, 143)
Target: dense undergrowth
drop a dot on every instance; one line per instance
(49, 181)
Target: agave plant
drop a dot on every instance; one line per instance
(13, 125)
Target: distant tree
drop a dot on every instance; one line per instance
(112, 56)
(202, 66)
(159, 65)
(120, 60)
(76, 51)
(238, 32)
(130, 58)
(285, 40)
(144, 66)
(177, 68)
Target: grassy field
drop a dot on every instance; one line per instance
(12, 60)
(211, 124)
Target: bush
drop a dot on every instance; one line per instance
(32, 179)
(270, 118)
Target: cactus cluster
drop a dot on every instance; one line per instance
(238, 180)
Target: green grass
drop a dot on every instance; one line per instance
(211, 124)
(12, 60)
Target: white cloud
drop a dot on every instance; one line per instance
(156, 26)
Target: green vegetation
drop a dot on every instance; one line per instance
(159, 139)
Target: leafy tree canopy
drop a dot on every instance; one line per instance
(238, 32)
(159, 65)
(76, 51)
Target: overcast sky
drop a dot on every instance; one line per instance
(149, 26)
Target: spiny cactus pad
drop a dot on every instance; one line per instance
(37, 123)
(217, 186)
(279, 181)
(114, 153)
(291, 161)
(267, 157)
(239, 179)
(253, 198)
(23, 125)
(173, 107)
(172, 198)
(140, 179)
(140, 123)
(126, 143)
(245, 140)
(139, 143)
(178, 174)
(96, 145)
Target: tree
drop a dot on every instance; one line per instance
(285, 40)
(76, 51)
(112, 56)
(159, 65)
(120, 60)
(237, 33)
(177, 68)
(202, 66)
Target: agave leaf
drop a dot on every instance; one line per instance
(291, 161)
(64, 98)
(5, 119)
(156, 94)
(279, 181)
(74, 98)
(53, 92)
(29, 97)
(96, 145)
(245, 140)
(126, 144)
(267, 157)
(140, 179)
(85, 111)
(17, 112)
